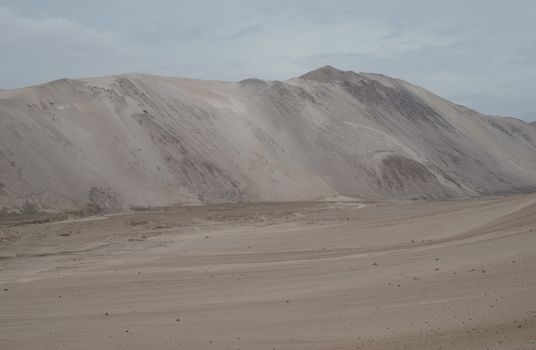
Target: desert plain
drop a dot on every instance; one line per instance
(340, 274)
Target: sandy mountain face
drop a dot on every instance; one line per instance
(114, 143)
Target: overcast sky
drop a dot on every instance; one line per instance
(481, 53)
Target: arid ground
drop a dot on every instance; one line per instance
(316, 275)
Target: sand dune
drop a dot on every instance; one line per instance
(310, 275)
(113, 143)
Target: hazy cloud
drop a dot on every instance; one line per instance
(481, 53)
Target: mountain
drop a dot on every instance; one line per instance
(112, 143)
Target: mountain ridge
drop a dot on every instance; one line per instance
(111, 143)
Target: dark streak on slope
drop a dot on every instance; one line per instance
(203, 177)
(397, 170)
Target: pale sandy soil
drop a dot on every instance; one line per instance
(405, 275)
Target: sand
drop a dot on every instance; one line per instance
(312, 275)
(109, 144)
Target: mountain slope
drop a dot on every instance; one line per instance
(107, 144)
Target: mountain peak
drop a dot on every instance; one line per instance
(329, 73)
(328, 69)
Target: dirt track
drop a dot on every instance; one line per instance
(407, 275)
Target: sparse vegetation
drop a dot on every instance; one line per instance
(101, 201)
(29, 208)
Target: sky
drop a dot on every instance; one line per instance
(479, 53)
